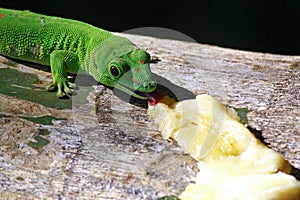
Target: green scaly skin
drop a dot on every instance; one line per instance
(69, 45)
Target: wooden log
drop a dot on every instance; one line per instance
(101, 146)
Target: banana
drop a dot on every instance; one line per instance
(233, 163)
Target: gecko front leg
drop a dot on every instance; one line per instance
(61, 62)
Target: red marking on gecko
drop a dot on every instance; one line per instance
(138, 70)
(2, 15)
(141, 61)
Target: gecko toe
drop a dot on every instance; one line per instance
(60, 95)
(71, 85)
(68, 88)
(68, 91)
(60, 92)
(51, 87)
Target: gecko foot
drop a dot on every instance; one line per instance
(63, 88)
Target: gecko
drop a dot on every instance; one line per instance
(67, 45)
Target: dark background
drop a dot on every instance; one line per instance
(257, 25)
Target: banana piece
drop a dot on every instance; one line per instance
(232, 161)
(279, 186)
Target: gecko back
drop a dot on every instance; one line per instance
(33, 37)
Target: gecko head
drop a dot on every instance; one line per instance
(131, 73)
(120, 64)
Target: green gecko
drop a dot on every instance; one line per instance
(68, 45)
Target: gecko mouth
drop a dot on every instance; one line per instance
(132, 92)
(152, 97)
(142, 94)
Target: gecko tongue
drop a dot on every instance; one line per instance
(158, 96)
(154, 97)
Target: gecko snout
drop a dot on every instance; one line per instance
(151, 86)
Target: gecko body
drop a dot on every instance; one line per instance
(68, 45)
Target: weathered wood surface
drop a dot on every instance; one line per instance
(107, 148)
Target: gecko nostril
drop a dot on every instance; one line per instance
(150, 85)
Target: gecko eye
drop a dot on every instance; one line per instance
(114, 71)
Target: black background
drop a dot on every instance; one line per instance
(256, 25)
